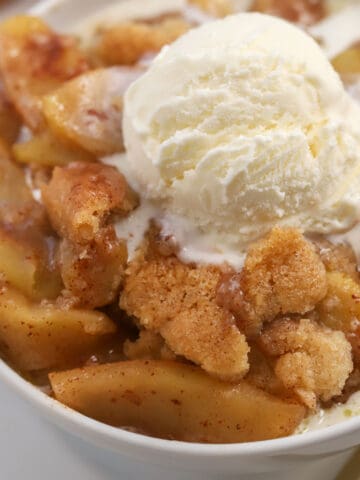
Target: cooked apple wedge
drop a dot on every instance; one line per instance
(26, 263)
(17, 205)
(34, 60)
(88, 110)
(127, 43)
(44, 149)
(10, 122)
(175, 400)
(348, 62)
(42, 336)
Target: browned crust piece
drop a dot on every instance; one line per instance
(178, 301)
(338, 258)
(92, 273)
(312, 359)
(81, 197)
(80, 200)
(282, 274)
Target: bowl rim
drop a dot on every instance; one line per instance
(91, 429)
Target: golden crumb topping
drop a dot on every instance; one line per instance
(338, 258)
(81, 196)
(313, 360)
(178, 301)
(282, 274)
(92, 273)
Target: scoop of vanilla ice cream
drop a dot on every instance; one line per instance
(243, 124)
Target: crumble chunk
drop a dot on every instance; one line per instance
(352, 385)
(178, 301)
(282, 274)
(338, 258)
(312, 359)
(340, 309)
(81, 196)
(79, 199)
(92, 273)
(128, 42)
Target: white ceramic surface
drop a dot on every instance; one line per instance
(32, 449)
(89, 447)
(91, 450)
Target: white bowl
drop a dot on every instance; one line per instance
(326, 449)
(272, 458)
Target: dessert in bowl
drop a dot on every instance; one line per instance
(186, 276)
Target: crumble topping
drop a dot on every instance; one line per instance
(179, 302)
(312, 359)
(282, 274)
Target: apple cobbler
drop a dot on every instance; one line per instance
(194, 352)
